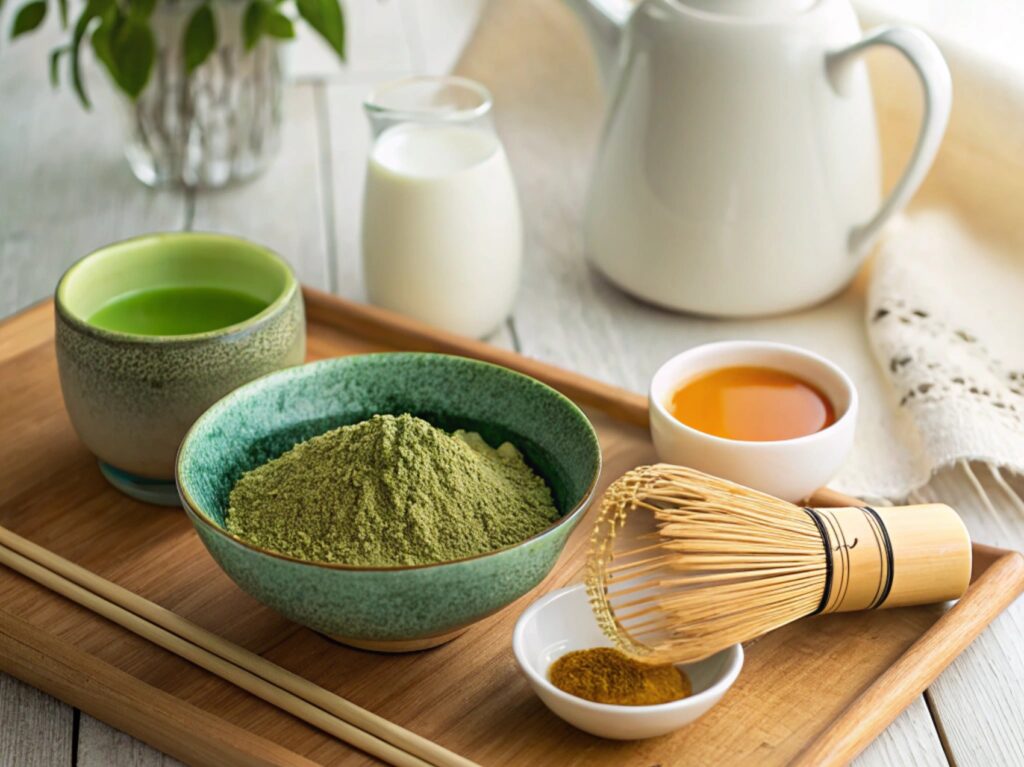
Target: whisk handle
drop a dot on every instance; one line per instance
(894, 556)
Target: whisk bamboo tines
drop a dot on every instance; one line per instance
(683, 564)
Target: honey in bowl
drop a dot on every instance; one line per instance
(752, 404)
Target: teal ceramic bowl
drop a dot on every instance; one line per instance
(395, 608)
(131, 397)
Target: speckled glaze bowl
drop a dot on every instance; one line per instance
(392, 609)
(131, 398)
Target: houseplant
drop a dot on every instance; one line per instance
(201, 79)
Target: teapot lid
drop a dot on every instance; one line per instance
(749, 8)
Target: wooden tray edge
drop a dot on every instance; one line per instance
(392, 329)
(82, 680)
(878, 705)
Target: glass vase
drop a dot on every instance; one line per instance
(218, 125)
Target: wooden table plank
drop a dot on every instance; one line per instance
(349, 141)
(34, 256)
(35, 729)
(66, 187)
(100, 745)
(439, 30)
(979, 699)
(350, 144)
(375, 46)
(284, 208)
(910, 741)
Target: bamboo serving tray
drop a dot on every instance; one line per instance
(816, 692)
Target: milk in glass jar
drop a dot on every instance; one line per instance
(442, 232)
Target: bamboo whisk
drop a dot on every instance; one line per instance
(683, 564)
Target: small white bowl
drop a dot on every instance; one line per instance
(561, 622)
(790, 469)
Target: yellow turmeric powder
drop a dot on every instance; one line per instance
(607, 675)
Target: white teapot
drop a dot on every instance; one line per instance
(739, 170)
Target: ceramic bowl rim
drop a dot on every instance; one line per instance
(287, 293)
(192, 508)
(719, 688)
(837, 373)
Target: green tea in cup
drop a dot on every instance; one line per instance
(176, 311)
(154, 330)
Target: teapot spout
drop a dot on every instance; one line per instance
(605, 21)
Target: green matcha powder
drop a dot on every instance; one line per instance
(392, 490)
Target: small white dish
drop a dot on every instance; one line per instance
(561, 622)
(790, 469)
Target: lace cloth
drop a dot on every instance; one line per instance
(945, 316)
(945, 303)
(943, 300)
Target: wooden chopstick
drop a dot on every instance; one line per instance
(298, 696)
(241, 677)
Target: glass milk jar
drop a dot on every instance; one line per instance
(442, 232)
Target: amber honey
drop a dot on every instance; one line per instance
(752, 404)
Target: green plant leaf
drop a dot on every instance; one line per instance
(63, 6)
(102, 48)
(92, 9)
(200, 37)
(326, 18)
(278, 25)
(252, 23)
(133, 50)
(55, 55)
(29, 17)
(141, 9)
(103, 38)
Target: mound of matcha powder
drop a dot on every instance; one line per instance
(392, 490)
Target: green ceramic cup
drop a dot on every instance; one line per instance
(393, 608)
(131, 398)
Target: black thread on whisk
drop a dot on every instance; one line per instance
(828, 558)
(890, 559)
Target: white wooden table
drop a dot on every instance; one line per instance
(65, 190)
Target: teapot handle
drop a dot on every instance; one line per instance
(931, 68)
